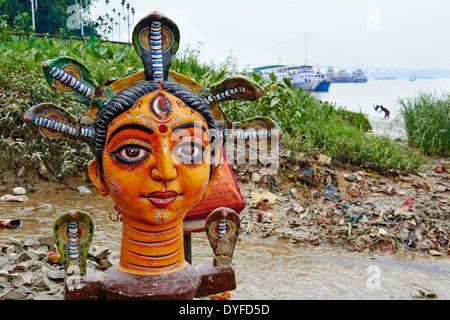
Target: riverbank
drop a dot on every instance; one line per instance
(309, 204)
(315, 202)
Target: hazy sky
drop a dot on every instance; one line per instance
(350, 33)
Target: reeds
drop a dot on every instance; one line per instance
(427, 122)
(309, 125)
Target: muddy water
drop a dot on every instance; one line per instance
(265, 268)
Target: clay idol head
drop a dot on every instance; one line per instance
(154, 150)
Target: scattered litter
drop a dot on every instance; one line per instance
(12, 198)
(84, 190)
(323, 159)
(10, 224)
(265, 196)
(331, 193)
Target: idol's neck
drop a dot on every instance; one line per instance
(151, 249)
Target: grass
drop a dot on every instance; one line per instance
(427, 122)
(309, 125)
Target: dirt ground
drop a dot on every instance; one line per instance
(314, 202)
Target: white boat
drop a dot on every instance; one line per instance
(301, 76)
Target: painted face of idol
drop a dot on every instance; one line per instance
(156, 160)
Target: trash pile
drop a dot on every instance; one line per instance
(312, 201)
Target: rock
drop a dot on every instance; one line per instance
(256, 177)
(99, 252)
(23, 279)
(3, 262)
(19, 190)
(13, 295)
(48, 241)
(41, 252)
(56, 274)
(31, 242)
(106, 263)
(42, 282)
(42, 168)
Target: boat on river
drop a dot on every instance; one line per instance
(359, 76)
(303, 77)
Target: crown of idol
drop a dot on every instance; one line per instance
(156, 39)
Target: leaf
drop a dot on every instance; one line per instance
(274, 101)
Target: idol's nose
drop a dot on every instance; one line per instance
(164, 169)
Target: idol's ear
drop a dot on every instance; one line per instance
(96, 178)
(53, 122)
(212, 181)
(71, 79)
(156, 39)
(235, 87)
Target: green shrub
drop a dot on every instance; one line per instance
(427, 122)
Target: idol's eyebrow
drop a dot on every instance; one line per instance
(189, 125)
(136, 126)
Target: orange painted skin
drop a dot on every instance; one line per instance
(156, 166)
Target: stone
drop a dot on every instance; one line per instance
(256, 177)
(19, 190)
(56, 274)
(23, 279)
(13, 295)
(12, 240)
(99, 252)
(41, 252)
(47, 240)
(42, 282)
(31, 242)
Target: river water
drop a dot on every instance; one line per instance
(265, 268)
(363, 96)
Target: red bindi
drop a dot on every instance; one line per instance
(162, 128)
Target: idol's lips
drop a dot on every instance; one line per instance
(161, 199)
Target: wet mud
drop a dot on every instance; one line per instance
(266, 267)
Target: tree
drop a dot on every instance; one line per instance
(51, 16)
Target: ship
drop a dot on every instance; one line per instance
(302, 77)
(330, 74)
(359, 76)
(342, 77)
(324, 84)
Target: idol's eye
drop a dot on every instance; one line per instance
(131, 154)
(188, 153)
